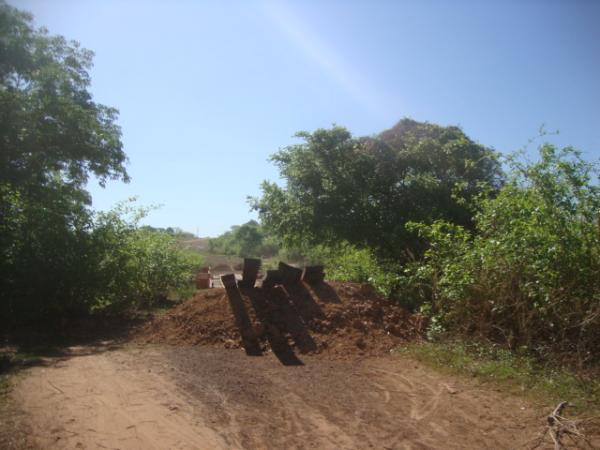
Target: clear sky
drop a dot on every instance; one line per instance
(208, 90)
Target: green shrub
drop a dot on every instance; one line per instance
(247, 240)
(348, 263)
(529, 274)
(61, 263)
(137, 266)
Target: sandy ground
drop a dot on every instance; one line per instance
(109, 400)
(150, 397)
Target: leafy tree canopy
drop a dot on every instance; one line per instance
(50, 126)
(176, 232)
(364, 190)
(246, 240)
(53, 136)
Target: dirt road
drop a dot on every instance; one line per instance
(212, 398)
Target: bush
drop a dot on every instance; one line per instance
(137, 266)
(247, 240)
(529, 274)
(348, 263)
(62, 262)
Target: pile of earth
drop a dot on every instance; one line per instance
(333, 318)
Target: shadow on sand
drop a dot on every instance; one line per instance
(286, 312)
(242, 321)
(44, 344)
(324, 292)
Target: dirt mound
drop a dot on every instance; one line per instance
(338, 319)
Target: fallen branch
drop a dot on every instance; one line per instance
(559, 428)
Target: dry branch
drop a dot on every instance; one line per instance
(559, 428)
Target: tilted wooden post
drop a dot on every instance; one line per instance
(251, 267)
(290, 274)
(273, 277)
(313, 274)
(228, 281)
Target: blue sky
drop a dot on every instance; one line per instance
(208, 90)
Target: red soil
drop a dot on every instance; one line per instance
(336, 319)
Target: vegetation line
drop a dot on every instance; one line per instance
(517, 373)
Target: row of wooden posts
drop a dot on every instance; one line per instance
(285, 274)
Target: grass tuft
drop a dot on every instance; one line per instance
(519, 374)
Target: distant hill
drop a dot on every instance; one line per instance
(198, 244)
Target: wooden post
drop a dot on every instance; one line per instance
(273, 277)
(290, 274)
(228, 281)
(251, 267)
(313, 274)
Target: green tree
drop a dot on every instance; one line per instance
(364, 190)
(54, 136)
(50, 126)
(247, 240)
(250, 239)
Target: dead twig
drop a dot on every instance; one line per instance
(558, 428)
